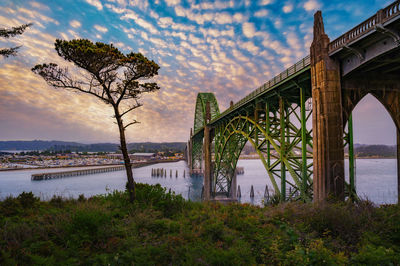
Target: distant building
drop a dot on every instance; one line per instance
(115, 155)
(142, 156)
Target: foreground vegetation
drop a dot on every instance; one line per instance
(162, 228)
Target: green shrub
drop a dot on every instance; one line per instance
(81, 198)
(88, 224)
(57, 201)
(315, 254)
(157, 197)
(376, 255)
(161, 228)
(27, 199)
(10, 206)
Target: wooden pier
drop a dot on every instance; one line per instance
(46, 176)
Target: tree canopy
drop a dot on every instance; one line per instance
(115, 78)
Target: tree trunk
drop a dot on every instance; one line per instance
(127, 160)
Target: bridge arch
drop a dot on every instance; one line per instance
(199, 122)
(386, 89)
(359, 170)
(277, 154)
(200, 109)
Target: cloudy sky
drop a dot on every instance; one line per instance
(225, 47)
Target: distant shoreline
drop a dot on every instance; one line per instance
(83, 166)
(346, 157)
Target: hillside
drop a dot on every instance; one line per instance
(96, 147)
(33, 144)
(381, 151)
(360, 150)
(163, 229)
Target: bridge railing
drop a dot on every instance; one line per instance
(300, 65)
(365, 27)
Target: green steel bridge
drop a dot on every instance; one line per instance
(300, 121)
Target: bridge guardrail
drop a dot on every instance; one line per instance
(365, 27)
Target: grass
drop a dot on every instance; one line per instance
(163, 228)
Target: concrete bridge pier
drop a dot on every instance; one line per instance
(328, 151)
(207, 164)
(207, 156)
(190, 150)
(233, 195)
(398, 165)
(208, 194)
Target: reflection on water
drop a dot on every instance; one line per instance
(15, 182)
(376, 180)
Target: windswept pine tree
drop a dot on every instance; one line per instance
(8, 33)
(115, 78)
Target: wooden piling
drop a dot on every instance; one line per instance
(266, 193)
(239, 193)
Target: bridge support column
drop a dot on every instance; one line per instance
(398, 165)
(282, 118)
(207, 163)
(207, 155)
(328, 152)
(352, 181)
(233, 195)
(190, 152)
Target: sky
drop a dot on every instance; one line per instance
(225, 47)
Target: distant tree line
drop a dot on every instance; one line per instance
(360, 150)
(384, 151)
(40, 145)
(55, 152)
(44, 153)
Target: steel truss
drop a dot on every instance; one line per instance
(279, 135)
(350, 188)
(199, 122)
(273, 118)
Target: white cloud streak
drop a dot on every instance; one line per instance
(100, 28)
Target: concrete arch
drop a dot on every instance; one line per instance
(385, 89)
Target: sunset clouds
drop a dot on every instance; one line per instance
(225, 47)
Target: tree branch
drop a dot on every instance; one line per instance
(59, 78)
(131, 123)
(131, 108)
(7, 33)
(6, 52)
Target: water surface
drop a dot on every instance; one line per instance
(376, 180)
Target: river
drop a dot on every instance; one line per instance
(376, 180)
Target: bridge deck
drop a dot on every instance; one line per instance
(373, 24)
